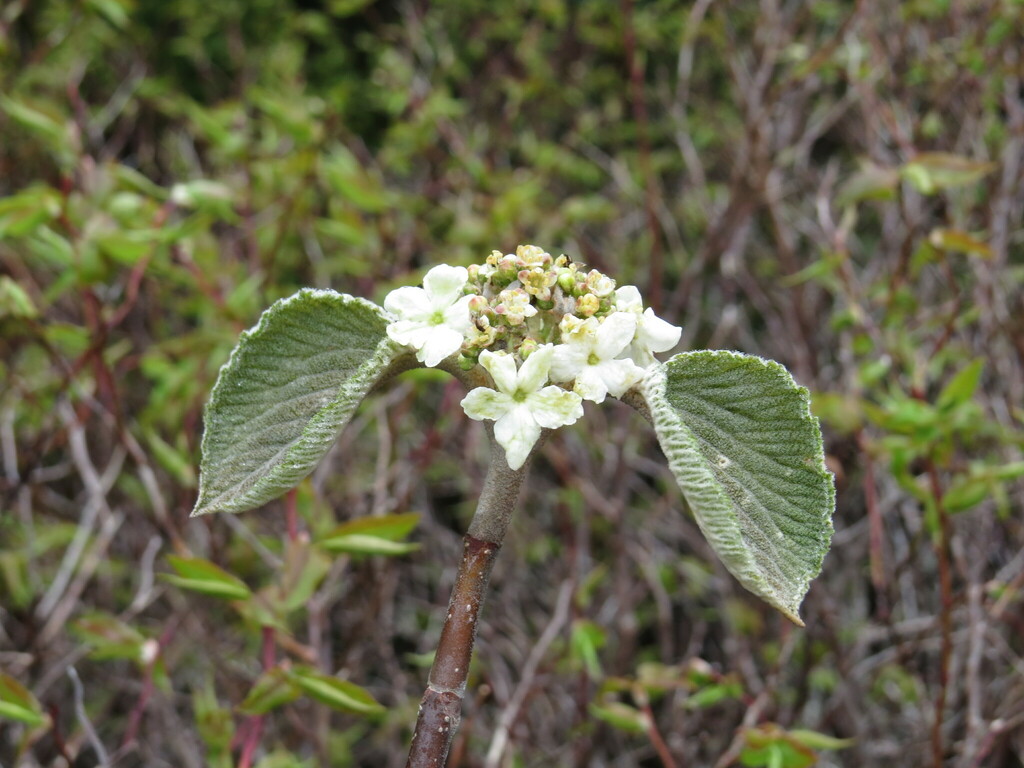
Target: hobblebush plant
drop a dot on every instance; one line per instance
(531, 337)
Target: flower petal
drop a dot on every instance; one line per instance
(457, 316)
(483, 403)
(444, 284)
(553, 407)
(569, 359)
(441, 342)
(628, 299)
(408, 303)
(412, 332)
(502, 368)
(619, 375)
(517, 432)
(656, 334)
(615, 334)
(533, 373)
(590, 384)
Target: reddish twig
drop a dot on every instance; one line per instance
(255, 731)
(291, 513)
(876, 530)
(656, 739)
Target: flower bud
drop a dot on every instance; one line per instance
(588, 305)
(527, 348)
(466, 362)
(566, 280)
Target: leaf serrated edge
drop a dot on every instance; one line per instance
(699, 484)
(386, 353)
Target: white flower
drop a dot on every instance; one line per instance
(588, 354)
(522, 405)
(433, 319)
(600, 284)
(652, 333)
(515, 306)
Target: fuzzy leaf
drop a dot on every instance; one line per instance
(747, 453)
(291, 385)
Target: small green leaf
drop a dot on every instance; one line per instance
(712, 694)
(961, 242)
(816, 740)
(14, 300)
(586, 640)
(337, 694)
(291, 385)
(305, 567)
(373, 536)
(203, 576)
(271, 690)
(961, 387)
(931, 172)
(966, 493)
(362, 544)
(621, 716)
(871, 182)
(109, 637)
(17, 703)
(748, 456)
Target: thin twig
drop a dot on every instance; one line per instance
(102, 758)
(508, 717)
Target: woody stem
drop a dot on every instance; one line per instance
(441, 707)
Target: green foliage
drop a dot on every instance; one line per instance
(290, 386)
(741, 441)
(822, 194)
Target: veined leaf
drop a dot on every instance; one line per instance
(290, 386)
(747, 453)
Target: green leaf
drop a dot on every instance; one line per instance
(747, 454)
(621, 716)
(816, 740)
(338, 694)
(956, 240)
(291, 385)
(373, 535)
(273, 689)
(203, 576)
(966, 493)
(871, 182)
(14, 300)
(109, 637)
(17, 703)
(930, 172)
(961, 387)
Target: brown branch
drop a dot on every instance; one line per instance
(441, 708)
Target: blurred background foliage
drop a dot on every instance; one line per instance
(837, 185)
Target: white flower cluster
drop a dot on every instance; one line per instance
(549, 333)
